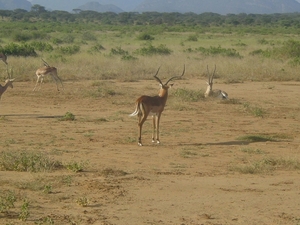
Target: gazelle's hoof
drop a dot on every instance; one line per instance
(140, 144)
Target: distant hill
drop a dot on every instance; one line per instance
(220, 6)
(69, 5)
(95, 6)
(15, 4)
(181, 6)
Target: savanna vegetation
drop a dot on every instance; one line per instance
(71, 157)
(129, 46)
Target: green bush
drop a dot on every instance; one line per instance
(145, 37)
(152, 50)
(19, 50)
(69, 50)
(230, 52)
(42, 46)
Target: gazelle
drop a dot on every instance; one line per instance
(8, 83)
(217, 93)
(3, 57)
(44, 71)
(154, 105)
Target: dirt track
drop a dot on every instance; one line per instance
(188, 179)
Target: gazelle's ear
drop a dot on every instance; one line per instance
(171, 85)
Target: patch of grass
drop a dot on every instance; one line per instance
(188, 95)
(231, 101)
(256, 138)
(24, 214)
(267, 165)
(27, 162)
(187, 153)
(254, 110)
(68, 117)
(76, 166)
(113, 172)
(47, 189)
(104, 89)
(252, 151)
(7, 200)
(82, 201)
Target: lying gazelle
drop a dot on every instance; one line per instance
(217, 93)
(3, 57)
(154, 105)
(8, 83)
(44, 71)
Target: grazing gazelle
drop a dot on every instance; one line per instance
(217, 93)
(154, 105)
(3, 57)
(44, 71)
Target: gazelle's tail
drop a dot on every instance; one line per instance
(137, 110)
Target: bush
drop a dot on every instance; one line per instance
(69, 50)
(192, 38)
(219, 51)
(145, 37)
(152, 50)
(42, 46)
(19, 50)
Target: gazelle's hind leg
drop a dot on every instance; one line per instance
(37, 82)
(142, 116)
(56, 79)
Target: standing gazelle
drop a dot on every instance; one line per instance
(8, 83)
(154, 105)
(217, 93)
(3, 57)
(44, 71)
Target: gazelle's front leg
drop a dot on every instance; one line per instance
(153, 127)
(157, 127)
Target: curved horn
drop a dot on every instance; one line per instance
(155, 76)
(176, 77)
(45, 63)
(212, 77)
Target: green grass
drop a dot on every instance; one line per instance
(266, 165)
(23, 161)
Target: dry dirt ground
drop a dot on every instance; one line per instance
(192, 177)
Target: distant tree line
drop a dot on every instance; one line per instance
(38, 12)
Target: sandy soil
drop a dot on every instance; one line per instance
(190, 178)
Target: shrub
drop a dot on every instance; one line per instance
(152, 50)
(145, 37)
(230, 52)
(69, 50)
(19, 50)
(192, 38)
(42, 46)
(68, 117)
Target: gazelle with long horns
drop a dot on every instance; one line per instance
(216, 93)
(153, 105)
(44, 71)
